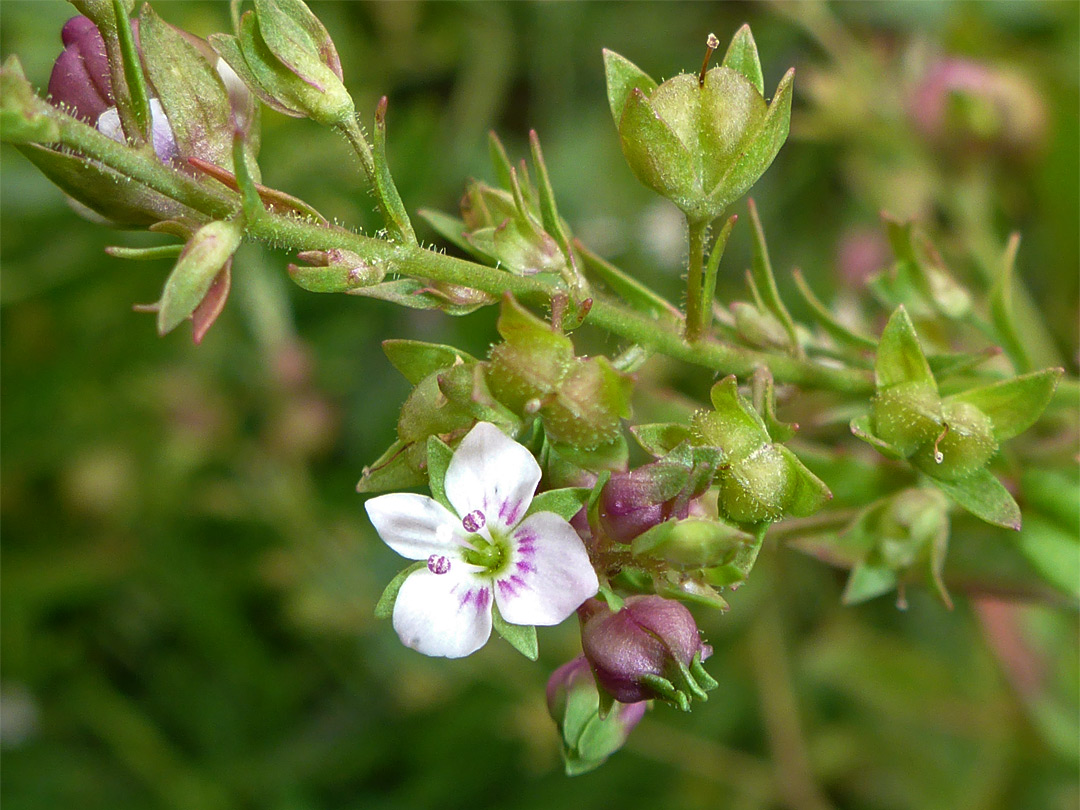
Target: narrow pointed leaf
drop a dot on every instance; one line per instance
(1013, 405)
(500, 161)
(384, 608)
(549, 213)
(765, 280)
(520, 636)
(623, 77)
(985, 497)
(900, 358)
(762, 149)
(868, 581)
(565, 502)
(708, 284)
(636, 294)
(842, 334)
(385, 190)
(1001, 308)
(742, 56)
(416, 359)
(449, 228)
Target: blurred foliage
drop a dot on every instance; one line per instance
(188, 577)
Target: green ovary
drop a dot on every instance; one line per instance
(966, 446)
(907, 416)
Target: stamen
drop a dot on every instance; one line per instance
(438, 564)
(474, 521)
(711, 44)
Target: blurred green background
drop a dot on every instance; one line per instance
(188, 576)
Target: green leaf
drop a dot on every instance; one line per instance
(565, 502)
(393, 470)
(900, 358)
(189, 89)
(638, 295)
(742, 57)
(397, 218)
(661, 438)
(623, 77)
(708, 284)
(828, 322)
(761, 148)
(549, 212)
(522, 637)
(416, 359)
(439, 455)
(132, 69)
(1013, 405)
(809, 492)
(867, 581)
(765, 280)
(985, 497)
(384, 608)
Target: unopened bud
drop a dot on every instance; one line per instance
(204, 256)
(650, 649)
(634, 502)
(335, 271)
(574, 704)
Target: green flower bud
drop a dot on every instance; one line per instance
(335, 271)
(758, 487)
(205, 255)
(907, 415)
(701, 141)
(529, 366)
(966, 444)
(588, 405)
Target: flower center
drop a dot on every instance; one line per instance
(492, 556)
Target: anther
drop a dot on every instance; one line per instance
(474, 521)
(438, 564)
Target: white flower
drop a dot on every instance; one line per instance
(535, 568)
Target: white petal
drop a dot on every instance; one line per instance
(444, 615)
(416, 526)
(493, 474)
(549, 574)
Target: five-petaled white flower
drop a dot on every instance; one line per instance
(535, 568)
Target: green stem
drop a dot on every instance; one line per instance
(697, 234)
(290, 233)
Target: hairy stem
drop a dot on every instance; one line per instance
(697, 232)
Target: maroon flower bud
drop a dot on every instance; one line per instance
(80, 80)
(633, 502)
(574, 704)
(650, 649)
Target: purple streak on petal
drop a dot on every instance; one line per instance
(524, 567)
(509, 512)
(483, 598)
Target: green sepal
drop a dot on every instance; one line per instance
(742, 56)
(1013, 405)
(416, 359)
(761, 148)
(692, 590)
(900, 358)
(985, 497)
(739, 569)
(842, 334)
(691, 543)
(666, 690)
(565, 502)
(384, 608)
(549, 212)
(623, 77)
(614, 602)
(439, 455)
(951, 364)
(599, 740)
(465, 385)
(610, 456)
(296, 37)
(415, 294)
(860, 427)
(765, 280)
(500, 161)
(765, 401)
(868, 581)
(24, 118)
(522, 637)
(808, 493)
(189, 89)
(229, 49)
(517, 325)
(201, 260)
(655, 154)
(733, 425)
(605, 704)
(393, 470)
(660, 439)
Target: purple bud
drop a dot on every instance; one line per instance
(80, 79)
(633, 502)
